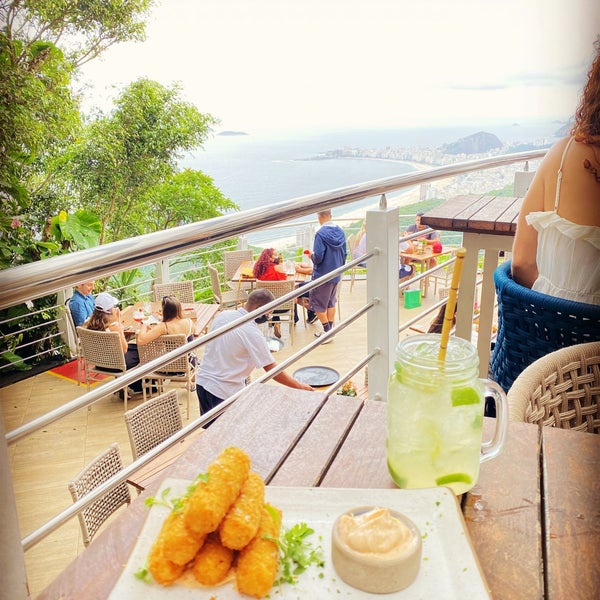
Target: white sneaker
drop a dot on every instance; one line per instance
(320, 333)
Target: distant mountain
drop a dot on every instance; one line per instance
(564, 130)
(232, 133)
(473, 144)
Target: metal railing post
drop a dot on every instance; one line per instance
(382, 283)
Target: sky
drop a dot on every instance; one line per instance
(311, 64)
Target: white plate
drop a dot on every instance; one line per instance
(151, 320)
(448, 570)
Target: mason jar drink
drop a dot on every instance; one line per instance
(435, 415)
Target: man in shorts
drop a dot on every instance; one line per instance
(329, 253)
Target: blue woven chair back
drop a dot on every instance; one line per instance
(531, 324)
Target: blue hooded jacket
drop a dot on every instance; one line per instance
(329, 250)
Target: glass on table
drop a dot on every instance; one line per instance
(435, 415)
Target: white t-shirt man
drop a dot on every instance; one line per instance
(231, 357)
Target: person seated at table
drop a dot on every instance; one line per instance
(431, 237)
(311, 316)
(556, 250)
(361, 247)
(81, 303)
(107, 317)
(406, 270)
(230, 359)
(173, 322)
(267, 268)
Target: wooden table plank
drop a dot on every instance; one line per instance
(442, 217)
(309, 460)
(502, 513)
(361, 461)
(571, 463)
(491, 218)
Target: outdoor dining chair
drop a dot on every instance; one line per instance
(181, 370)
(228, 298)
(285, 311)
(99, 470)
(531, 325)
(102, 355)
(561, 389)
(232, 259)
(182, 290)
(153, 422)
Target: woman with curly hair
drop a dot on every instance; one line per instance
(267, 268)
(557, 245)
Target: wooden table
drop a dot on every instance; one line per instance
(488, 223)
(246, 266)
(423, 261)
(533, 516)
(200, 313)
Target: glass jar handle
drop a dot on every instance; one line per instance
(492, 448)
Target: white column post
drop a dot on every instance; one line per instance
(382, 283)
(162, 271)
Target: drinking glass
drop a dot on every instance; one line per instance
(435, 415)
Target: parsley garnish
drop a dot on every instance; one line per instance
(296, 553)
(176, 504)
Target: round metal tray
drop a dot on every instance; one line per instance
(317, 376)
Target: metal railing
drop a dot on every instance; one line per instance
(49, 276)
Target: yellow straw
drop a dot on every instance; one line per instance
(451, 304)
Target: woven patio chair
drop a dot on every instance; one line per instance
(102, 468)
(531, 325)
(561, 389)
(153, 422)
(228, 298)
(232, 259)
(182, 290)
(74, 343)
(285, 311)
(181, 370)
(102, 354)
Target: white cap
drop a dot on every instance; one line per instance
(105, 302)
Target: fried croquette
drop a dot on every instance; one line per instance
(243, 518)
(257, 562)
(211, 499)
(180, 545)
(164, 571)
(213, 561)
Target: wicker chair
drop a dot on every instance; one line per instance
(531, 325)
(232, 259)
(74, 343)
(561, 389)
(181, 370)
(102, 354)
(153, 422)
(182, 290)
(285, 311)
(228, 298)
(102, 468)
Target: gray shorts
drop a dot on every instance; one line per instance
(323, 297)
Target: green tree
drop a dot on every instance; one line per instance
(42, 43)
(124, 168)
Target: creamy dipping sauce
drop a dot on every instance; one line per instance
(375, 532)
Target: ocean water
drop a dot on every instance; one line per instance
(259, 169)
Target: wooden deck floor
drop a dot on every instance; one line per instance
(44, 463)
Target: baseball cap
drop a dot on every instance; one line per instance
(105, 302)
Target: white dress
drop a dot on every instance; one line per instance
(568, 254)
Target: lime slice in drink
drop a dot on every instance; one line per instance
(453, 478)
(400, 481)
(464, 396)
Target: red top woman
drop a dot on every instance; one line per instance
(267, 267)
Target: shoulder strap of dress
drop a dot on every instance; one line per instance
(166, 328)
(559, 175)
